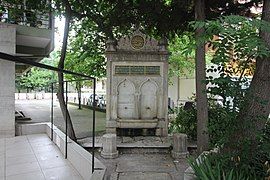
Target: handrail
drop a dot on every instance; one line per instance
(11, 58)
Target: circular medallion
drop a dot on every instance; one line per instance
(137, 42)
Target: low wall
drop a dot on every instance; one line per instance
(72, 97)
(80, 159)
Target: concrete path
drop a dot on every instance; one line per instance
(39, 111)
(144, 167)
(33, 157)
(128, 166)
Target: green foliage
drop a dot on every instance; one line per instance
(37, 78)
(247, 165)
(24, 12)
(185, 122)
(220, 123)
(218, 167)
(237, 44)
(164, 17)
(85, 53)
(236, 49)
(182, 57)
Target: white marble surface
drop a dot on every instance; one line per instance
(33, 157)
(7, 83)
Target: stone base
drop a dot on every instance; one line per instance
(111, 127)
(161, 132)
(111, 130)
(109, 155)
(189, 174)
(179, 155)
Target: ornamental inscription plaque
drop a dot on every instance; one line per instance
(121, 69)
(137, 42)
(137, 70)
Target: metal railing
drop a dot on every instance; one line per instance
(20, 14)
(11, 58)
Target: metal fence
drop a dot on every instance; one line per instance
(11, 58)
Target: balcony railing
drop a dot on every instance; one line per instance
(22, 15)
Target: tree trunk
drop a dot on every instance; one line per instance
(60, 94)
(256, 108)
(79, 90)
(201, 96)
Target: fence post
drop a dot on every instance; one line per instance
(94, 123)
(66, 118)
(52, 113)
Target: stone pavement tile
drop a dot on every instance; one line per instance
(20, 159)
(145, 165)
(152, 138)
(2, 146)
(19, 152)
(49, 155)
(52, 163)
(132, 144)
(144, 176)
(18, 146)
(181, 165)
(41, 143)
(62, 173)
(16, 139)
(52, 149)
(127, 140)
(34, 138)
(2, 159)
(2, 172)
(44, 149)
(113, 176)
(177, 175)
(22, 168)
(28, 176)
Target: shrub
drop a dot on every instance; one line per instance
(223, 167)
(220, 124)
(220, 119)
(185, 122)
(246, 165)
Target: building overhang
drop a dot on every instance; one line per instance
(32, 43)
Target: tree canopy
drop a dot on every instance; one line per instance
(38, 79)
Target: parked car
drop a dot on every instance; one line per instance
(99, 99)
(91, 99)
(102, 101)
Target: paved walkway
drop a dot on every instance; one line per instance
(33, 157)
(128, 166)
(144, 167)
(39, 111)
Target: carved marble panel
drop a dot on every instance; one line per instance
(148, 100)
(126, 100)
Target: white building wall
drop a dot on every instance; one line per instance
(7, 83)
(181, 89)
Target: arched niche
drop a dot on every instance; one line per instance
(126, 100)
(148, 100)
